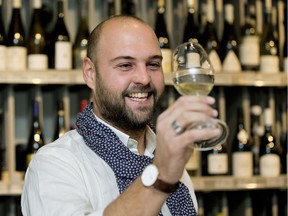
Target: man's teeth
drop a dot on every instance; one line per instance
(138, 95)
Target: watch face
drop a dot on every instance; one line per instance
(149, 175)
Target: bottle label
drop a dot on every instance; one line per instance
(269, 64)
(242, 164)
(63, 55)
(3, 57)
(215, 61)
(231, 63)
(270, 165)
(193, 162)
(166, 62)
(16, 58)
(249, 51)
(217, 163)
(37, 62)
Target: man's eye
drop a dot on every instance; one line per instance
(125, 66)
(154, 66)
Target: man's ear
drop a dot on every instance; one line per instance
(88, 71)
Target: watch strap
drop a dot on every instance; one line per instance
(165, 187)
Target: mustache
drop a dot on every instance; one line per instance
(140, 88)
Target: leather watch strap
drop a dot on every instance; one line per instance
(165, 187)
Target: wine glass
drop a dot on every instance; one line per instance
(193, 74)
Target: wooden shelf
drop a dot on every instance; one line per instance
(228, 183)
(74, 77)
(201, 184)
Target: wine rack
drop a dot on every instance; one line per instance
(12, 182)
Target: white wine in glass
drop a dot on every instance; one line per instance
(193, 74)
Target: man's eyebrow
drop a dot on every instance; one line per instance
(122, 58)
(159, 57)
(155, 57)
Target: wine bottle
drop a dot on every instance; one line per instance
(285, 47)
(217, 161)
(2, 143)
(3, 45)
(17, 51)
(163, 37)
(284, 133)
(81, 41)
(257, 131)
(269, 56)
(191, 28)
(111, 8)
(128, 7)
(60, 128)
(37, 57)
(210, 41)
(249, 49)
(62, 43)
(229, 43)
(269, 150)
(36, 139)
(242, 156)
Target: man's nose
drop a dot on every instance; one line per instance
(141, 76)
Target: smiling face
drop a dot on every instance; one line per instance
(128, 73)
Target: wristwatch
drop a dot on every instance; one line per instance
(150, 178)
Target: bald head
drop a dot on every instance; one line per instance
(113, 29)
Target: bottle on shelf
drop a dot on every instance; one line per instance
(60, 128)
(285, 46)
(191, 27)
(269, 47)
(36, 138)
(270, 164)
(163, 37)
(249, 49)
(2, 143)
(17, 50)
(284, 133)
(81, 40)
(3, 45)
(242, 156)
(111, 8)
(210, 39)
(62, 58)
(36, 44)
(229, 44)
(257, 131)
(128, 7)
(217, 161)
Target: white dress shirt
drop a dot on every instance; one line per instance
(67, 178)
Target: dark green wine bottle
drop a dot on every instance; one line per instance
(17, 50)
(36, 139)
(163, 37)
(37, 57)
(81, 41)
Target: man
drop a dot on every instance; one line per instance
(110, 164)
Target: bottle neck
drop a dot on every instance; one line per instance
(210, 11)
(60, 10)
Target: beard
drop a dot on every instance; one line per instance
(112, 106)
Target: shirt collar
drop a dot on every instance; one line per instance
(132, 143)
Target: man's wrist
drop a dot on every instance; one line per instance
(149, 178)
(165, 187)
